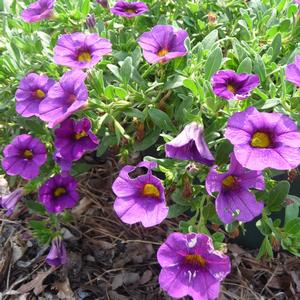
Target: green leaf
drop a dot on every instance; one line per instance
(292, 227)
(85, 7)
(126, 70)
(259, 68)
(245, 66)
(292, 209)
(176, 210)
(191, 85)
(161, 119)
(210, 39)
(278, 195)
(148, 141)
(276, 45)
(213, 63)
(265, 249)
(35, 207)
(223, 151)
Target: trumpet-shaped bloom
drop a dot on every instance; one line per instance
(64, 98)
(235, 201)
(140, 199)
(74, 138)
(292, 71)
(57, 255)
(129, 9)
(37, 11)
(264, 140)
(191, 266)
(79, 50)
(190, 145)
(10, 201)
(232, 86)
(163, 43)
(59, 192)
(32, 90)
(24, 156)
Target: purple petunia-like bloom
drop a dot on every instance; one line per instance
(229, 85)
(129, 9)
(10, 201)
(57, 255)
(264, 140)
(235, 201)
(292, 71)
(191, 266)
(24, 156)
(64, 98)
(74, 138)
(59, 192)
(163, 43)
(39, 10)
(140, 199)
(79, 50)
(32, 90)
(190, 145)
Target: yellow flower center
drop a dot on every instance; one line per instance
(40, 94)
(260, 140)
(229, 181)
(162, 52)
(59, 191)
(231, 88)
(80, 135)
(130, 10)
(27, 153)
(195, 259)
(151, 190)
(84, 57)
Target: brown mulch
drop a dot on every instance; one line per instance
(111, 260)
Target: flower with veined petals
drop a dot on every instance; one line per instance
(37, 11)
(129, 9)
(10, 201)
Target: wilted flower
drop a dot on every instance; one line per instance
(264, 140)
(64, 98)
(10, 201)
(39, 10)
(90, 20)
(292, 71)
(163, 43)
(235, 202)
(212, 17)
(140, 199)
(24, 156)
(103, 3)
(79, 50)
(191, 266)
(190, 145)
(58, 254)
(74, 138)
(32, 90)
(129, 9)
(59, 192)
(232, 86)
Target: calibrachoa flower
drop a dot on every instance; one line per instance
(39, 10)
(59, 192)
(140, 199)
(79, 50)
(58, 254)
(10, 201)
(129, 9)
(264, 140)
(103, 3)
(292, 71)
(74, 138)
(191, 266)
(232, 86)
(235, 201)
(24, 156)
(64, 98)
(190, 145)
(32, 90)
(163, 43)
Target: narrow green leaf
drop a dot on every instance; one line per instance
(213, 63)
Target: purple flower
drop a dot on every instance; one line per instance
(39, 10)
(57, 255)
(129, 9)
(90, 20)
(64, 98)
(163, 43)
(264, 140)
(103, 3)
(191, 266)
(79, 50)
(32, 90)
(10, 201)
(65, 165)
(235, 201)
(24, 156)
(74, 138)
(140, 199)
(190, 145)
(232, 86)
(292, 71)
(58, 193)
